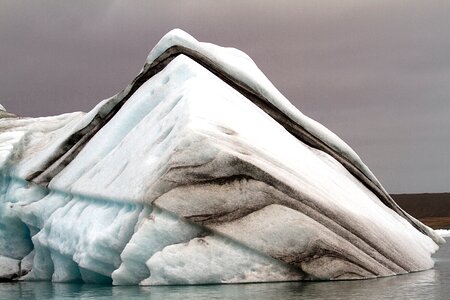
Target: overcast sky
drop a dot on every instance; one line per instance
(377, 73)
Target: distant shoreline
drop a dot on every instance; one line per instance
(432, 209)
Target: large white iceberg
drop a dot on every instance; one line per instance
(199, 171)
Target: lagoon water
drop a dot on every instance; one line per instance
(431, 284)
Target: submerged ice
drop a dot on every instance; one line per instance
(199, 171)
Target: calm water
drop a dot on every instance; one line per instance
(432, 284)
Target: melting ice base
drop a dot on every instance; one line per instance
(190, 182)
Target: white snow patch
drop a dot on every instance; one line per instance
(443, 232)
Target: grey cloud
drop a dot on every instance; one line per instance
(375, 72)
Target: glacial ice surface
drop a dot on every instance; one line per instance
(189, 181)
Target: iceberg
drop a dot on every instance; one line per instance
(200, 171)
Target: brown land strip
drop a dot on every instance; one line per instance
(431, 209)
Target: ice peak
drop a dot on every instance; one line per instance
(177, 34)
(175, 37)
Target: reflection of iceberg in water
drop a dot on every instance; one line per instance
(200, 171)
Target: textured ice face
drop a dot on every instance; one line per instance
(200, 171)
(241, 67)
